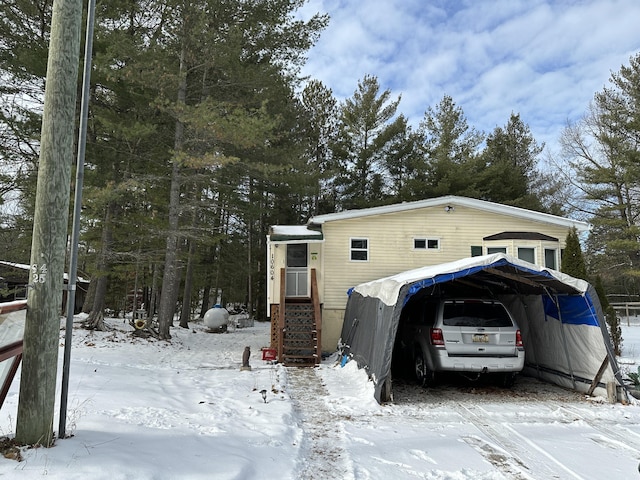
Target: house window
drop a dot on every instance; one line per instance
(359, 250)
(426, 244)
(297, 255)
(527, 254)
(476, 251)
(491, 250)
(550, 258)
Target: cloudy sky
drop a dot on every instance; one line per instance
(543, 59)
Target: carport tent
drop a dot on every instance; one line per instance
(564, 333)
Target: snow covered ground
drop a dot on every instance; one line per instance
(142, 409)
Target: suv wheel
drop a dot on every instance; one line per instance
(424, 375)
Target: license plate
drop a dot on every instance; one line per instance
(480, 338)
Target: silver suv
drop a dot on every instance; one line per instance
(470, 336)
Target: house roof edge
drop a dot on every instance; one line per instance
(453, 201)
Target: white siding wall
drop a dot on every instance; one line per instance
(391, 249)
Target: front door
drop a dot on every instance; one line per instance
(297, 284)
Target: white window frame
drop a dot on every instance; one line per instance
(426, 243)
(555, 258)
(501, 249)
(352, 250)
(527, 247)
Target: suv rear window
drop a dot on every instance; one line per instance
(475, 314)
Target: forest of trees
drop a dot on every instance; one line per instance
(202, 133)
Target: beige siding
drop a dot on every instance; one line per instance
(331, 328)
(391, 236)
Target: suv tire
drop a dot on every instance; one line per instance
(424, 375)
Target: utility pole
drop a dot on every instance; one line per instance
(34, 423)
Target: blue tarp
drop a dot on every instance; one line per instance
(427, 282)
(576, 310)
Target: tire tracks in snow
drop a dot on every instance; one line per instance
(322, 448)
(510, 452)
(613, 435)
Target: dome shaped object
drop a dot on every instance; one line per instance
(216, 318)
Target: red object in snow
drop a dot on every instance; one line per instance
(268, 353)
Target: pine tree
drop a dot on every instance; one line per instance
(402, 161)
(602, 154)
(25, 30)
(509, 166)
(450, 149)
(572, 259)
(320, 126)
(367, 129)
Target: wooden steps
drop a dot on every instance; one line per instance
(300, 340)
(297, 336)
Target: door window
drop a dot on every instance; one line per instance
(296, 274)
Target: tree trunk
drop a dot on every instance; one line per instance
(170, 278)
(91, 293)
(153, 301)
(95, 320)
(34, 423)
(206, 294)
(209, 263)
(249, 258)
(185, 314)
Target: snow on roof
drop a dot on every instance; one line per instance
(23, 266)
(294, 232)
(453, 201)
(20, 266)
(387, 289)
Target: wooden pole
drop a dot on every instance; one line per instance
(34, 422)
(598, 376)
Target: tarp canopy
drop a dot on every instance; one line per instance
(564, 333)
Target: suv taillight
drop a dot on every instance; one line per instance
(519, 339)
(436, 337)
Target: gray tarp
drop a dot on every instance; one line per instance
(565, 337)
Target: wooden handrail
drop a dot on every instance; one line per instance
(7, 307)
(317, 312)
(15, 352)
(10, 351)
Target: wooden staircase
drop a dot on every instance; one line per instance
(299, 328)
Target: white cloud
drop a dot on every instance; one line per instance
(543, 59)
